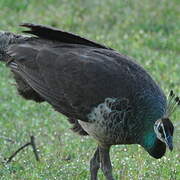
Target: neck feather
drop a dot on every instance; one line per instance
(153, 146)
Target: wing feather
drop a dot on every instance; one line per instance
(27, 63)
(50, 33)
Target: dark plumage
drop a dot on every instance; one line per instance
(102, 92)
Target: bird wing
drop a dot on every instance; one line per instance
(72, 78)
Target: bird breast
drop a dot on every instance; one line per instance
(108, 122)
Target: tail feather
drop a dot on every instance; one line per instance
(7, 39)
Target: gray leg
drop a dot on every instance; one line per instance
(106, 162)
(95, 165)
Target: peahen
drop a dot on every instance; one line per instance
(103, 93)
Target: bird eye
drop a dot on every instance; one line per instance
(160, 129)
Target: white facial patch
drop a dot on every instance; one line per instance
(160, 135)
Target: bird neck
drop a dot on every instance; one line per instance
(151, 109)
(153, 145)
(149, 140)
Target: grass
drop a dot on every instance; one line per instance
(148, 31)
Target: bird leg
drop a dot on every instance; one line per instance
(95, 164)
(106, 162)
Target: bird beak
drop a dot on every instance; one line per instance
(169, 142)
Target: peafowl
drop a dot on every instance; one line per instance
(103, 93)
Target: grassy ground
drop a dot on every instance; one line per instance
(147, 30)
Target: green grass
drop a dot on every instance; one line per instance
(147, 30)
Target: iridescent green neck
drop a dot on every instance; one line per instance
(153, 145)
(149, 140)
(154, 109)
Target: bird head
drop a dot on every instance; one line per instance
(164, 131)
(163, 127)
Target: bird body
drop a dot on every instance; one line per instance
(103, 93)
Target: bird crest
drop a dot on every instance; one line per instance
(172, 104)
